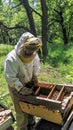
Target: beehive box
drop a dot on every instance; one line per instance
(52, 102)
(6, 117)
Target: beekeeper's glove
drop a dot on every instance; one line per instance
(32, 83)
(26, 91)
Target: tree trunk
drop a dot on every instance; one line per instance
(61, 22)
(44, 27)
(3, 35)
(30, 16)
(65, 37)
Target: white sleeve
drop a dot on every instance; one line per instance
(36, 65)
(11, 72)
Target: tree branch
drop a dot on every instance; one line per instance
(16, 6)
(57, 11)
(35, 11)
(15, 27)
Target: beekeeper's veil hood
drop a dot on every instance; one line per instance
(27, 42)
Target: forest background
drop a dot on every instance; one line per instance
(50, 20)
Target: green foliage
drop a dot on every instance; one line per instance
(54, 28)
(12, 13)
(70, 76)
(4, 49)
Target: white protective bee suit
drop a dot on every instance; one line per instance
(19, 70)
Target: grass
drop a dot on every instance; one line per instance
(58, 68)
(59, 64)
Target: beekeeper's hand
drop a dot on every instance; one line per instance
(26, 91)
(32, 83)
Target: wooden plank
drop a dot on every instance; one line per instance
(60, 93)
(50, 94)
(44, 85)
(68, 87)
(69, 106)
(37, 91)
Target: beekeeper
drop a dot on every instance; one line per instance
(21, 67)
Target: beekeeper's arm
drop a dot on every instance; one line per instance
(11, 71)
